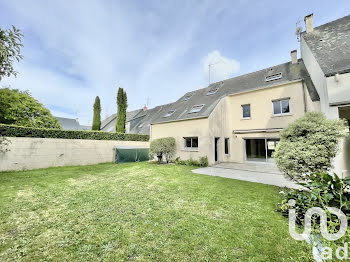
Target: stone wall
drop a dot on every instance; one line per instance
(31, 153)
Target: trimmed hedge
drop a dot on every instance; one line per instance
(20, 131)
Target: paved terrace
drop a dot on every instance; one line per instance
(252, 172)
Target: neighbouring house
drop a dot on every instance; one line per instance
(326, 53)
(71, 124)
(239, 119)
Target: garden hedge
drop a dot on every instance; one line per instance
(20, 131)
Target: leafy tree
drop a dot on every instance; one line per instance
(10, 50)
(308, 146)
(96, 122)
(163, 147)
(121, 114)
(20, 108)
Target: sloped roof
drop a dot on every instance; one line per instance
(71, 124)
(68, 123)
(330, 44)
(248, 82)
(111, 120)
(141, 121)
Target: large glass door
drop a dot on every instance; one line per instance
(260, 149)
(255, 150)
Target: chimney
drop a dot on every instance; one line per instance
(294, 56)
(144, 108)
(309, 23)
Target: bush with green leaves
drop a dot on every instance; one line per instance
(20, 131)
(163, 147)
(203, 162)
(20, 108)
(308, 146)
(322, 190)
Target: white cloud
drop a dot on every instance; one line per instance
(221, 67)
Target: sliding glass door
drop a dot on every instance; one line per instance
(260, 150)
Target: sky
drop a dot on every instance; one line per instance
(157, 50)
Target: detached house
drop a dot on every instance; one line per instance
(239, 119)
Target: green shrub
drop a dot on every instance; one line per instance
(308, 146)
(323, 190)
(19, 131)
(163, 147)
(191, 162)
(203, 161)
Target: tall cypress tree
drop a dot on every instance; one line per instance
(96, 122)
(121, 114)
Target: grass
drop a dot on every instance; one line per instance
(140, 212)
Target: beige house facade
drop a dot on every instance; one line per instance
(240, 119)
(227, 136)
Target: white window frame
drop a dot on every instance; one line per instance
(213, 91)
(250, 111)
(280, 102)
(273, 77)
(201, 107)
(170, 113)
(188, 97)
(191, 148)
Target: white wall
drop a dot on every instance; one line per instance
(339, 89)
(31, 153)
(330, 91)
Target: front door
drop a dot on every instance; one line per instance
(216, 149)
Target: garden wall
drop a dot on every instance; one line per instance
(31, 153)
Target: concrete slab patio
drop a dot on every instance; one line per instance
(247, 174)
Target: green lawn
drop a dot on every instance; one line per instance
(141, 212)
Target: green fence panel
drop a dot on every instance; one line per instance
(127, 155)
(142, 154)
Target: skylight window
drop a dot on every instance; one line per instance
(188, 97)
(196, 109)
(212, 91)
(170, 113)
(273, 77)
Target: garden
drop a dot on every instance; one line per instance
(142, 212)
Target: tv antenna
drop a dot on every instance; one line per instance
(148, 101)
(298, 29)
(209, 66)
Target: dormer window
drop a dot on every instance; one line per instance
(273, 77)
(196, 109)
(170, 113)
(188, 97)
(212, 91)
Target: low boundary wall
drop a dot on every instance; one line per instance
(31, 153)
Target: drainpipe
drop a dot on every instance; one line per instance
(304, 96)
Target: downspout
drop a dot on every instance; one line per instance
(304, 96)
